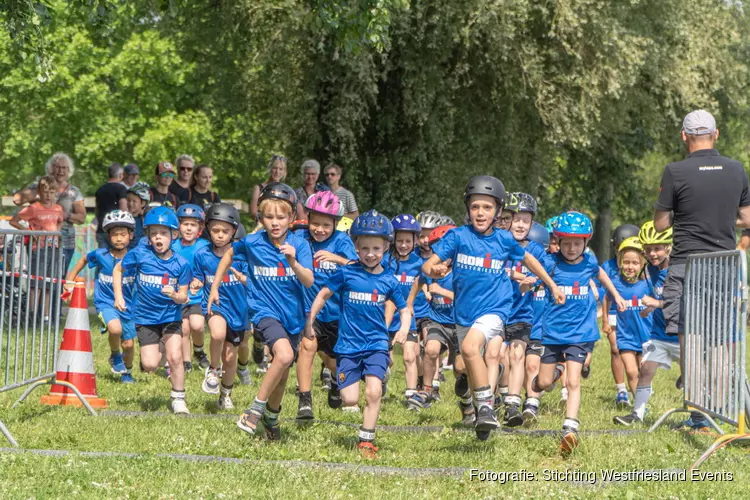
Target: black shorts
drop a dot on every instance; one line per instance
(327, 334)
(567, 352)
(520, 332)
(410, 337)
(443, 333)
(271, 331)
(153, 334)
(422, 323)
(234, 337)
(534, 348)
(674, 310)
(190, 309)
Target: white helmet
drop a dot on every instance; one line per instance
(429, 219)
(118, 218)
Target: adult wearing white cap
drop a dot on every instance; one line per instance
(704, 197)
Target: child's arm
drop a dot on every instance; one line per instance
(304, 275)
(604, 280)
(17, 217)
(70, 278)
(436, 289)
(326, 256)
(324, 294)
(179, 297)
(594, 289)
(224, 264)
(405, 315)
(434, 268)
(390, 310)
(605, 315)
(117, 287)
(413, 291)
(537, 269)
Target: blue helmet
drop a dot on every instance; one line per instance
(550, 224)
(161, 216)
(372, 223)
(538, 234)
(191, 211)
(407, 223)
(573, 225)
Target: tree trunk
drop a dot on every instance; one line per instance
(603, 226)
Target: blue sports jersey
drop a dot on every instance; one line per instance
(232, 293)
(151, 275)
(632, 330)
(362, 297)
(612, 269)
(658, 325)
(104, 295)
(340, 244)
(188, 253)
(406, 273)
(138, 233)
(522, 310)
(575, 321)
(277, 292)
(539, 303)
(480, 280)
(441, 308)
(421, 306)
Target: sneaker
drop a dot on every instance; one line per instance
(441, 376)
(627, 420)
(258, 354)
(244, 376)
(468, 414)
(117, 364)
(304, 410)
(623, 400)
(563, 403)
(420, 382)
(334, 398)
(569, 442)
(127, 378)
(585, 372)
(418, 401)
(486, 420)
(179, 407)
(249, 421)
(263, 366)
(296, 390)
(697, 423)
(435, 394)
(225, 402)
(271, 432)
(188, 366)
(368, 450)
(325, 379)
(350, 409)
(211, 381)
(202, 359)
(678, 383)
(513, 417)
(530, 415)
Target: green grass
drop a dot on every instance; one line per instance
(263, 476)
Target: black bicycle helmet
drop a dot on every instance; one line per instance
(223, 212)
(487, 185)
(622, 233)
(279, 191)
(525, 203)
(240, 233)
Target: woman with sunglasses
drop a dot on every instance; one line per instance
(276, 173)
(184, 167)
(160, 192)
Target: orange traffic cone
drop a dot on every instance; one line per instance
(75, 361)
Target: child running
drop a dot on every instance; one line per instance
(118, 226)
(331, 250)
(228, 319)
(280, 267)
(569, 331)
(139, 196)
(483, 291)
(661, 350)
(363, 342)
(161, 288)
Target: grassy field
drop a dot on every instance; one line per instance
(148, 453)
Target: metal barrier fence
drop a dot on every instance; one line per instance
(30, 285)
(713, 356)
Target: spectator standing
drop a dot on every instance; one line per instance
(200, 188)
(130, 177)
(184, 166)
(333, 179)
(310, 184)
(276, 173)
(160, 192)
(111, 196)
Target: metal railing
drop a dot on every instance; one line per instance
(713, 352)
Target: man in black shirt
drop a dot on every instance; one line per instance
(111, 196)
(703, 197)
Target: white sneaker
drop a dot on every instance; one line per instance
(179, 407)
(225, 403)
(211, 381)
(350, 409)
(244, 376)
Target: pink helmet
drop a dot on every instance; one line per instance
(326, 203)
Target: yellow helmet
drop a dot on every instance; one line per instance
(630, 243)
(344, 224)
(649, 236)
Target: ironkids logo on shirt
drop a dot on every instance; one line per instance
(540, 294)
(484, 264)
(278, 273)
(635, 304)
(373, 298)
(106, 279)
(440, 301)
(405, 279)
(156, 281)
(229, 279)
(325, 266)
(576, 292)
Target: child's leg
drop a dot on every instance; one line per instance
(630, 362)
(431, 356)
(150, 357)
(517, 372)
(229, 366)
(173, 346)
(350, 395)
(186, 344)
(243, 352)
(217, 326)
(573, 383)
(305, 361)
(114, 327)
(275, 380)
(643, 390)
(411, 352)
(373, 393)
(492, 357)
(618, 369)
(471, 351)
(329, 362)
(197, 330)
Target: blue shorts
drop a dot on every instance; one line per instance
(352, 368)
(271, 331)
(128, 326)
(566, 352)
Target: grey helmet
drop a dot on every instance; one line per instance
(429, 219)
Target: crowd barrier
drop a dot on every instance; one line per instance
(714, 378)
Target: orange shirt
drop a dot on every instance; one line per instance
(41, 218)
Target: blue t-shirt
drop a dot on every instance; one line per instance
(658, 325)
(406, 273)
(339, 244)
(632, 330)
(104, 295)
(362, 296)
(441, 308)
(188, 253)
(612, 269)
(138, 233)
(421, 306)
(151, 275)
(277, 292)
(575, 321)
(522, 310)
(539, 303)
(232, 293)
(480, 280)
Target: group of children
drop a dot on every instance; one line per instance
(513, 304)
